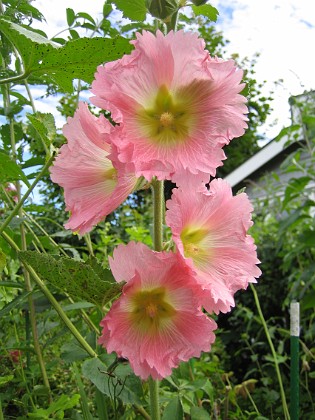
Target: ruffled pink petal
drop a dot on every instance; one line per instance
(183, 334)
(95, 183)
(221, 252)
(208, 89)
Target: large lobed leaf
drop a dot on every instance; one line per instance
(77, 59)
(133, 9)
(206, 10)
(85, 281)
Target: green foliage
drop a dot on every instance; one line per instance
(56, 409)
(77, 59)
(132, 9)
(173, 410)
(87, 281)
(10, 170)
(121, 383)
(206, 10)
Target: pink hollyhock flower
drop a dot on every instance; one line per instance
(178, 106)
(156, 323)
(209, 229)
(95, 182)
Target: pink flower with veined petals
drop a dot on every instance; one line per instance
(156, 323)
(95, 182)
(177, 105)
(209, 229)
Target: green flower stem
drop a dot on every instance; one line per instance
(158, 214)
(14, 78)
(158, 221)
(53, 301)
(274, 354)
(172, 24)
(154, 399)
(26, 195)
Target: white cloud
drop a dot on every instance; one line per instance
(283, 32)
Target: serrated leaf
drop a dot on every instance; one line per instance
(31, 46)
(44, 125)
(10, 171)
(123, 382)
(132, 9)
(77, 59)
(79, 279)
(173, 410)
(206, 10)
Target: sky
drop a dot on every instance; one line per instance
(281, 31)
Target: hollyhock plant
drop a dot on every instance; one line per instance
(157, 322)
(95, 182)
(209, 229)
(177, 105)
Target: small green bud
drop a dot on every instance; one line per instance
(162, 9)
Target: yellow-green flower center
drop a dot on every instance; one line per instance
(168, 121)
(111, 179)
(196, 245)
(150, 310)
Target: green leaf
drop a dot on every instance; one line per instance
(13, 284)
(63, 403)
(10, 170)
(122, 381)
(294, 188)
(198, 413)
(77, 59)
(162, 9)
(307, 239)
(5, 379)
(132, 9)
(72, 352)
(3, 260)
(44, 125)
(31, 46)
(206, 10)
(87, 17)
(83, 281)
(308, 301)
(70, 16)
(16, 303)
(173, 410)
